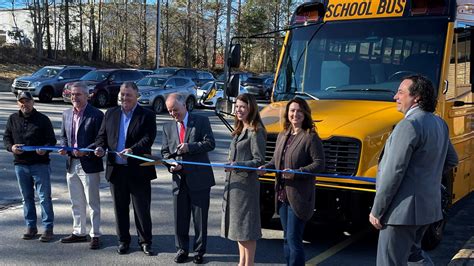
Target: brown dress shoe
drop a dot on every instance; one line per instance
(95, 243)
(31, 233)
(72, 238)
(46, 236)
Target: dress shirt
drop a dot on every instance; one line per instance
(125, 119)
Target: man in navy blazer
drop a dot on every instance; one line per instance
(129, 129)
(80, 125)
(189, 138)
(408, 194)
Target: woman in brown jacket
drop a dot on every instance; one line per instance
(298, 148)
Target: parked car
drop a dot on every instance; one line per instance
(204, 77)
(243, 76)
(48, 82)
(154, 90)
(146, 72)
(260, 86)
(104, 85)
(199, 77)
(212, 92)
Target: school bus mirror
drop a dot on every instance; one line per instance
(232, 89)
(234, 58)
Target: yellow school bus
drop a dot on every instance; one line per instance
(347, 58)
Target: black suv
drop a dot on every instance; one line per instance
(104, 84)
(49, 81)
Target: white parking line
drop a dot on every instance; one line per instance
(336, 248)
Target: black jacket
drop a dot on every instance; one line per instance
(34, 130)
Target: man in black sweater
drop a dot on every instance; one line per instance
(32, 128)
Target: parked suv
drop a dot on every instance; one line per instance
(49, 81)
(199, 77)
(104, 84)
(260, 86)
(154, 90)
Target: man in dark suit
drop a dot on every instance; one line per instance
(129, 129)
(80, 125)
(189, 138)
(408, 197)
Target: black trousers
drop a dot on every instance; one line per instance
(126, 185)
(187, 203)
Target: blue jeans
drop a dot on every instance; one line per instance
(293, 228)
(31, 178)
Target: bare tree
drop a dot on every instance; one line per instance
(67, 39)
(47, 25)
(218, 11)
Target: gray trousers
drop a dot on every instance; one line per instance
(401, 245)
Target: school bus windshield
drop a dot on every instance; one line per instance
(361, 59)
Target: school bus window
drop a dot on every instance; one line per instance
(364, 50)
(416, 48)
(387, 55)
(451, 93)
(463, 66)
(397, 52)
(377, 51)
(407, 48)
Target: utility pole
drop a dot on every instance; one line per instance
(227, 105)
(158, 23)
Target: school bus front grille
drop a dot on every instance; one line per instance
(341, 154)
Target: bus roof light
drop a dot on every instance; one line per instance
(308, 12)
(428, 7)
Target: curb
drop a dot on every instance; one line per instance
(465, 256)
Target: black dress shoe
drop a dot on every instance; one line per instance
(181, 256)
(123, 248)
(72, 238)
(47, 235)
(146, 248)
(95, 243)
(31, 233)
(198, 259)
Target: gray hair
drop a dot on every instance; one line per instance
(81, 85)
(130, 85)
(178, 97)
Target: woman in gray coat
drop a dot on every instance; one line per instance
(240, 206)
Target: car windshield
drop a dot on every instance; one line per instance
(96, 75)
(360, 60)
(254, 80)
(165, 71)
(151, 81)
(46, 72)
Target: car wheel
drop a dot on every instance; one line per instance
(190, 104)
(46, 95)
(158, 105)
(101, 99)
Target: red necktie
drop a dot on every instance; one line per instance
(182, 132)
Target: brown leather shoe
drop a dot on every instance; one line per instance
(72, 238)
(31, 233)
(95, 243)
(46, 236)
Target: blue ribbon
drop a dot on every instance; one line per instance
(222, 165)
(359, 178)
(70, 149)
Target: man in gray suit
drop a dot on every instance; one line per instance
(189, 138)
(80, 126)
(408, 197)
